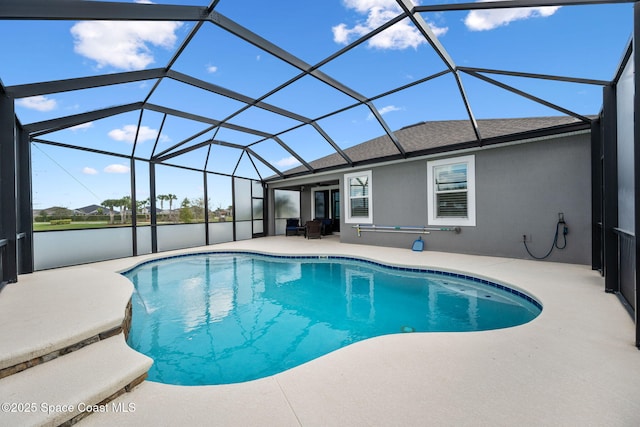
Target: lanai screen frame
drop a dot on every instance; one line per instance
(16, 228)
(77, 10)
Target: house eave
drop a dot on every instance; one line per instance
(474, 145)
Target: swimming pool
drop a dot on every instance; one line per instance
(228, 317)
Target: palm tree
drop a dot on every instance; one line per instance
(162, 198)
(125, 202)
(171, 198)
(141, 206)
(110, 203)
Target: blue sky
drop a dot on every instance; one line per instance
(584, 41)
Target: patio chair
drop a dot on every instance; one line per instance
(326, 225)
(292, 228)
(313, 230)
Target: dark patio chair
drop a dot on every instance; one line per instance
(326, 225)
(313, 230)
(293, 227)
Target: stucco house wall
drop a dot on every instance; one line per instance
(520, 189)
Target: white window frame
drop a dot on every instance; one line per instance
(470, 220)
(348, 219)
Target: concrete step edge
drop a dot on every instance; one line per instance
(53, 393)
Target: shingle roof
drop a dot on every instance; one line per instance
(90, 209)
(439, 136)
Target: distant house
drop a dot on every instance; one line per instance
(221, 213)
(93, 210)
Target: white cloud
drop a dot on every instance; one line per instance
(123, 44)
(39, 103)
(116, 168)
(288, 162)
(384, 110)
(364, 6)
(483, 20)
(83, 126)
(211, 68)
(89, 171)
(128, 134)
(388, 109)
(400, 36)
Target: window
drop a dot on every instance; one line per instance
(357, 187)
(451, 191)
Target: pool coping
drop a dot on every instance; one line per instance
(576, 363)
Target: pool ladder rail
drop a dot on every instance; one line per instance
(401, 229)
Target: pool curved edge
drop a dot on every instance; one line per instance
(454, 274)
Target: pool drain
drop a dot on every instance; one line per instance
(407, 329)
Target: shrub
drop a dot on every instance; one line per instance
(65, 221)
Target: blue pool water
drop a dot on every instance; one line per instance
(222, 318)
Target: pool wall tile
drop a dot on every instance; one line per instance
(482, 281)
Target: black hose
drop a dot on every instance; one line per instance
(565, 231)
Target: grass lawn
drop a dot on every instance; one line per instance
(79, 225)
(76, 225)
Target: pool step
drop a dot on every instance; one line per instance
(51, 313)
(72, 386)
(62, 346)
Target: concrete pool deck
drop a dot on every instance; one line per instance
(575, 364)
